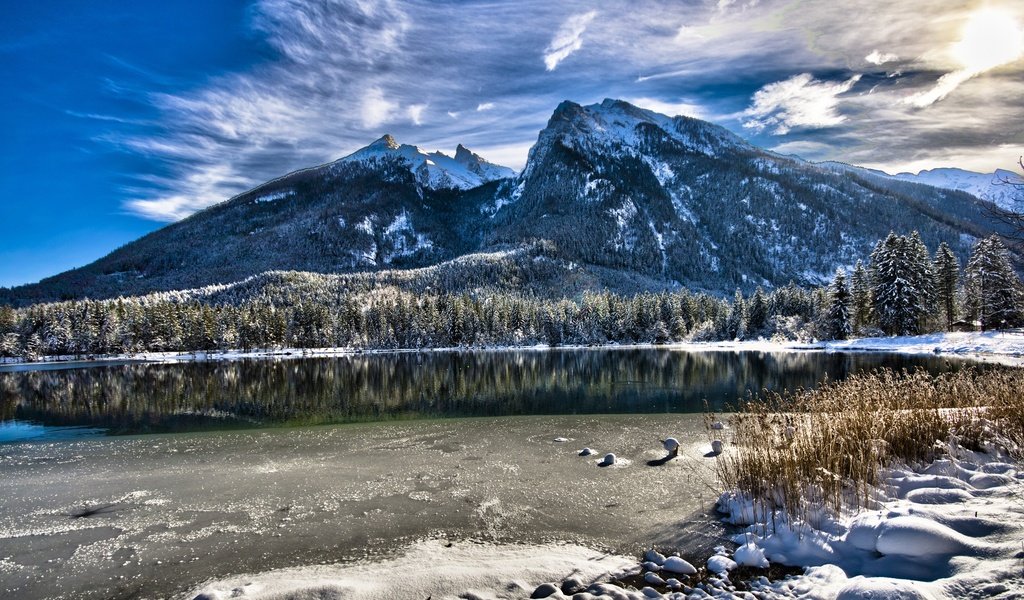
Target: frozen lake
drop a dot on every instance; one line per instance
(90, 515)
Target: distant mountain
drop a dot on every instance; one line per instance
(997, 187)
(618, 196)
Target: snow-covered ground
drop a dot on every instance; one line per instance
(1006, 347)
(429, 569)
(950, 529)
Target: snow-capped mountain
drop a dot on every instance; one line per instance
(434, 170)
(626, 197)
(625, 188)
(1003, 188)
(996, 187)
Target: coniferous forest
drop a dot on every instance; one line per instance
(902, 288)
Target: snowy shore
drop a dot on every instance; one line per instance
(992, 346)
(946, 530)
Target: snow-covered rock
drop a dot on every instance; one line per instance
(678, 565)
(434, 170)
(721, 564)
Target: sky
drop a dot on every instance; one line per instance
(119, 118)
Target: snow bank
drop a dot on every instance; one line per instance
(946, 527)
(428, 569)
(1005, 345)
(993, 346)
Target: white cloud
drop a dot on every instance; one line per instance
(453, 114)
(880, 58)
(669, 108)
(568, 39)
(484, 106)
(989, 39)
(376, 109)
(415, 112)
(800, 101)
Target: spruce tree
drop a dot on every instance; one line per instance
(991, 288)
(901, 284)
(947, 276)
(757, 314)
(837, 318)
(860, 284)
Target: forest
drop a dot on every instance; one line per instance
(900, 289)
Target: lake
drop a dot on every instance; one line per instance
(149, 480)
(53, 402)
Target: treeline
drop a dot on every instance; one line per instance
(903, 290)
(392, 318)
(906, 291)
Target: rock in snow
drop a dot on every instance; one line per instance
(721, 564)
(678, 565)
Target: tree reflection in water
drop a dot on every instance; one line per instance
(139, 398)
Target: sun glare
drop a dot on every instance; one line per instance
(990, 38)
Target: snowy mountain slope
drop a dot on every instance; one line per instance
(634, 197)
(996, 187)
(615, 185)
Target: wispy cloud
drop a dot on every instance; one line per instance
(672, 109)
(568, 39)
(880, 58)
(800, 101)
(342, 72)
(990, 39)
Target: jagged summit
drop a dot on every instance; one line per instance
(434, 170)
(617, 126)
(385, 141)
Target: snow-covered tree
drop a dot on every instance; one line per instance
(947, 276)
(837, 318)
(860, 284)
(757, 314)
(991, 288)
(902, 282)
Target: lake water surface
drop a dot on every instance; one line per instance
(258, 465)
(150, 398)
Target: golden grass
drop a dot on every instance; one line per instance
(798, 449)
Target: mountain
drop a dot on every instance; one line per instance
(618, 197)
(615, 185)
(385, 206)
(996, 187)
(1003, 188)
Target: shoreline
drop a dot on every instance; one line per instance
(997, 347)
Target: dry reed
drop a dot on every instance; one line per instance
(797, 450)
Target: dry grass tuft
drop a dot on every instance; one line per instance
(802, 449)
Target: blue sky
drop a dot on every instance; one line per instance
(120, 117)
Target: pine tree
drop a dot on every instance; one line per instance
(837, 319)
(991, 288)
(734, 324)
(860, 284)
(757, 314)
(901, 284)
(947, 275)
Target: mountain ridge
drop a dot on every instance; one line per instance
(628, 194)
